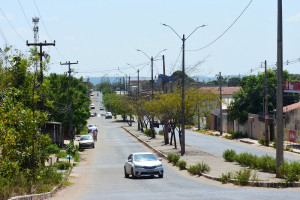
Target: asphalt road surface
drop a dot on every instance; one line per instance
(103, 176)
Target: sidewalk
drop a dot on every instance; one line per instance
(194, 155)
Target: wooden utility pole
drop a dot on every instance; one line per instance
(71, 101)
(152, 94)
(279, 106)
(266, 107)
(221, 109)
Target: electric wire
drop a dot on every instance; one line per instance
(25, 14)
(225, 30)
(12, 26)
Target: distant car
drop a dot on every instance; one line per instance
(108, 115)
(92, 106)
(156, 124)
(86, 141)
(143, 164)
(91, 127)
(101, 108)
(92, 114)
(92, 94)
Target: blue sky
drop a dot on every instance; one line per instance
(103, 35)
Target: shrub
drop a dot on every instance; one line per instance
(52, 149)
(62, 154)
(267, 163)
(263, 141)
(161, 132)
(290, 171)
(247, 159)
(72, 149)
(203, 168)
(242, 176)
(225, 178)
(63, 165)
(229, 155)
(193, 169)
(181, 164)
(234, 135)
(148, 132)
(175, 159)
(170, 157)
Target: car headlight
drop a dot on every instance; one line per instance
(138, 166)
(160, 165)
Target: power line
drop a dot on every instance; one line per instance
(47, 31)
(12, 26)
(25, 14)
(225, 30)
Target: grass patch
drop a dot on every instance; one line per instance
(199, 168)
(242, 176)
(63, 165)
(225, 178)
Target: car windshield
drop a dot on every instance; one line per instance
(144, 157)
(92, 125)
(86, 137)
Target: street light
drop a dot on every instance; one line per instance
(152, 82)
(183, 39)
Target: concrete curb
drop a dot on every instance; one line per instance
(42, 195)
(266, 184)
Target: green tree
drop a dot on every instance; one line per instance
(250, 98)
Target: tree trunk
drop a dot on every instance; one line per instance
(166, 132)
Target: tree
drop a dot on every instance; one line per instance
(250, 98)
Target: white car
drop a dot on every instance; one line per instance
(108, 115)
(91, 127)
(92, 106)
(143, 164)
(86, 141)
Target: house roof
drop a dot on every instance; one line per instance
(291, 107)
(225, 90)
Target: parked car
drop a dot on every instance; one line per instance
(86, 141)
(156, 124)
(91, 127)
(108, 115)
(143, 164)
(92, 106)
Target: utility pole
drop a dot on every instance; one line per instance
(266, 107)
(279, 107)
(129, 94)
(183, 39)
(166, 133)
(221, 109)
(138, 89)
(71, 101)
(152, 94)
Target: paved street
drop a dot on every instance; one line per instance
(217, 146)
(100, 175)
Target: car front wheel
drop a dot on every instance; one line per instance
(161, 175)
(132, 174)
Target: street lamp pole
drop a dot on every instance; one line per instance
(183, 39)
(152, 85)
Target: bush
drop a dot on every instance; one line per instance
(181, 164)
(170, 157)
(193, 169)
(267, 164)
(203, 168)
(175, 159)
(234, 135)
(263, 141)
(225, 178)
(161, 132)
(247, 159)
(290, 171)
(148, 132)
(242, 177)
(63, 165)
(72, 149)
(52, 149)
(229, 155)
(62, 154)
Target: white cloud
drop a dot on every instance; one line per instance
(294, 18)
(53, 18)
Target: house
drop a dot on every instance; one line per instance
(214, 117)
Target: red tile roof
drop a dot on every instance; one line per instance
(291, 107)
